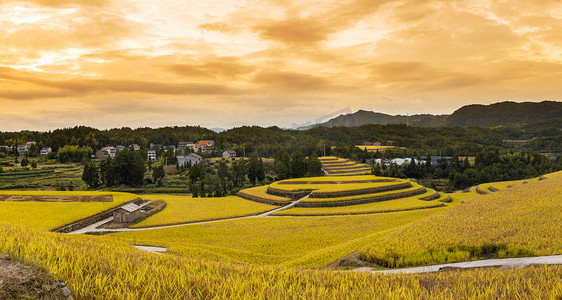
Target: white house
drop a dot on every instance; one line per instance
(45, 151)
(229, 153)
(134, 147)
(192, 158)
(184, 145)
(151, 155)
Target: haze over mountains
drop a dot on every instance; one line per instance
(498, 114)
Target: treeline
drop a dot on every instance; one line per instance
(490, 165)
(128, 167)
(268, 141)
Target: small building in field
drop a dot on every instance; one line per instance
(126, 214)
(229, 153)
(45, 151)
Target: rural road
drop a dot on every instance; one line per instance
(505, 263)
(94, 227)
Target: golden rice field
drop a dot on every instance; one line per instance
(336, 184)
(402, 204)
(261, 192)
(299, 241)
(99, 267)
(400, 193)
(185, 209)
(339, 166)
(51, 215)
(520, 221)
(374, 148)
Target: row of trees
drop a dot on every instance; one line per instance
(128, 167)
(296, 165)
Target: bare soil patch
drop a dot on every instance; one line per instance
(20, 281)
(58, 198)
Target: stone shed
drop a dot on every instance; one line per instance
(127, 213)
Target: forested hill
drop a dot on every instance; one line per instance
(505, 113)
(363, 117)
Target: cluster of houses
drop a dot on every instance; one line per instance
(111, 151)
(435, 161)
(152, 154)
(24, 149)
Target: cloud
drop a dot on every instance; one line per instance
(294, 81)
(224, 67)
(82, 87)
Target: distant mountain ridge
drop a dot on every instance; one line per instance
(498, 114)
(505, 114)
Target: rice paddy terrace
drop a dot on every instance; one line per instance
(342, 167)
(334, 195)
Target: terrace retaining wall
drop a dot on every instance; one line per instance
(415, 192)
(379, 189)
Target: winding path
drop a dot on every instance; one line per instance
(504, 263)
(95, 227)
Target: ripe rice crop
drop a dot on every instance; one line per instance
(520, 221)
(184, 209)
(299, 241)
(103, 268)
(402, 204)
(51, 215)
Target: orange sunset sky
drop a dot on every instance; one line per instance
(105, 63)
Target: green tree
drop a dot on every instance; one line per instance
(91, 175)
(314, 166)
(34, 164)
(24, 162)
(253, 168)
(158, 174)
(129, 168)
(298, 164)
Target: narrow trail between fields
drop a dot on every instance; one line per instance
(94, 228)
(504, 263)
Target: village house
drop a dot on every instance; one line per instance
(119, 148)
(184, 145)
(191, 158)
(372, 144)
(106, 152)
(45, 151)
(134, 147)
(229, 153)
(151, 154)
(23, 149)
(127, 213)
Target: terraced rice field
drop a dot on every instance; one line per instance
(339, 166)
(330, 191)
(520, 221)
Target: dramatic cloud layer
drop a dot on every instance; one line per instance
(219, 63)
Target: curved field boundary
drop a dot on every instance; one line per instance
(386, 188)
(343, 167)
(338, 182)
(347, 171)
(288, 194)
(393, 196)
(446, 199)
(433, 196)
(481, 191)
(263, 200)
(286, 214)
(492, 189)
